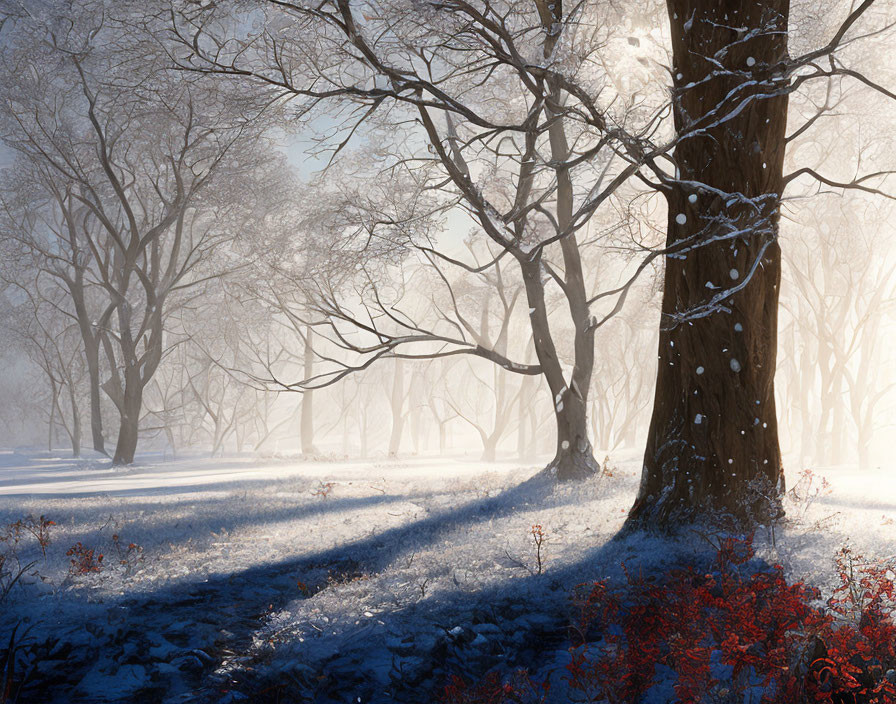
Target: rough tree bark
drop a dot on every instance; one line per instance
(92, 357)
(714, 425)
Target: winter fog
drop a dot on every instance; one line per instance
(455, 351)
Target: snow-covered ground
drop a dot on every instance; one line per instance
(276, 579)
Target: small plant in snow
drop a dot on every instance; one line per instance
(422, 584)
(10, 573)
(12, 534)
(40, 529)
(762, 505)
(130, 557)
(732, 631)
(538, 536)
(777, 646)
(84, 560)
(807, 490)
(323, 491)
(11, 569)
(37, 527)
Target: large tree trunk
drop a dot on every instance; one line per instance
(574, 458)
(714, 425)
(128, 430)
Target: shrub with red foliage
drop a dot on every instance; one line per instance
(860, 643)
(739, 632)
(766, 634)
(84, 560)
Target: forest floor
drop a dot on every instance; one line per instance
(277, 579)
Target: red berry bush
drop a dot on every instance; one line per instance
(736, 632)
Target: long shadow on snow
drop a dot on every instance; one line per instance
(232, 605)
(379, 550)
(229, 608)
(533, 612)
(203, 523)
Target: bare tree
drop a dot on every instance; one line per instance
(45, 222)
(127, 158)
(530, 137)
(489, 329)
(842, 290)
(513, 138)
(34, 316)
(624, 376)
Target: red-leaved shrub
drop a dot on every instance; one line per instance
(738, 632)
(735, 630)
(84, 560)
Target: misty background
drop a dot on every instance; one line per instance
(248, 329)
